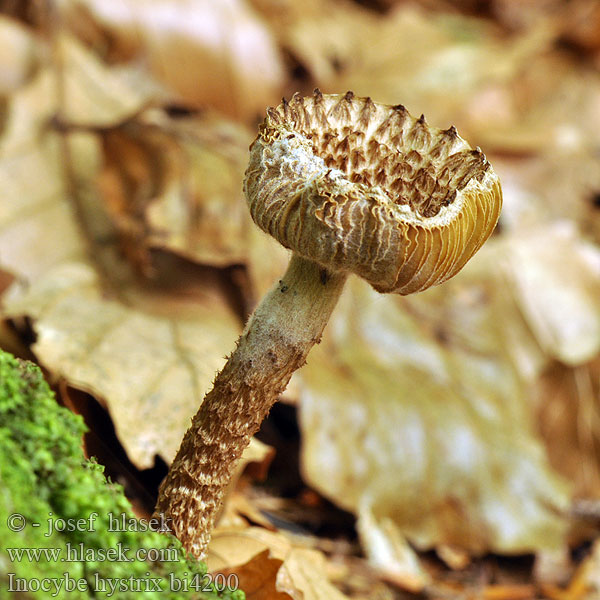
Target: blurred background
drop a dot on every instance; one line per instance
(442, 445)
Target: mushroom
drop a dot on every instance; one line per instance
(350, 186)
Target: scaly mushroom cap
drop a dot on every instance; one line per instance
(365, 187)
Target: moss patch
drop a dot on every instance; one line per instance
(78, 550)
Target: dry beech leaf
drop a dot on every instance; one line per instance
(260, 453)
(38, 230)
(206, 53)
(432, 63)
(556, 279)
(19, 55)
(148, 353)
(267, 261)
(319, 33)
(436, 441)
(545, 106)
(255, 463)
(151, 369)
(545, 103)
(9, 338)
(566, 273)
(583, 25)
(510, 94)
(301, 576)
(390, 552)
(95, 94)
(257, 577)
(567, 401)
(176, 184)
(556, 185)
(549, 97)
(588, 577)
(239, 510)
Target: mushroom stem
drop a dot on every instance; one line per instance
(275, 342)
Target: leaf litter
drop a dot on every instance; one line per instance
(463, 420)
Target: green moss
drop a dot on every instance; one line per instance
(46, 480)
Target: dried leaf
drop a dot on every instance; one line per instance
(301, 576)
(557, 282)
(254, 463)
(578, 22)
(512, 94)
(177, 184)
(569, 421)
(554, 186)
(19, 55)
(390, 553)
(544, 107)
(587, 579)
(34, 209)
(151, 369)
(150, 354)
(205, 53)
(92, 94)
(431, 63)
(239, 510)
(437, 439)
(257, 577)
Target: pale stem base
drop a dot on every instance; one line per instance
(275, 343)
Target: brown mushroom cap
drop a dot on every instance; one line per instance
(364, 187)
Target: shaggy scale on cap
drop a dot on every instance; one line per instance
(364, 187)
